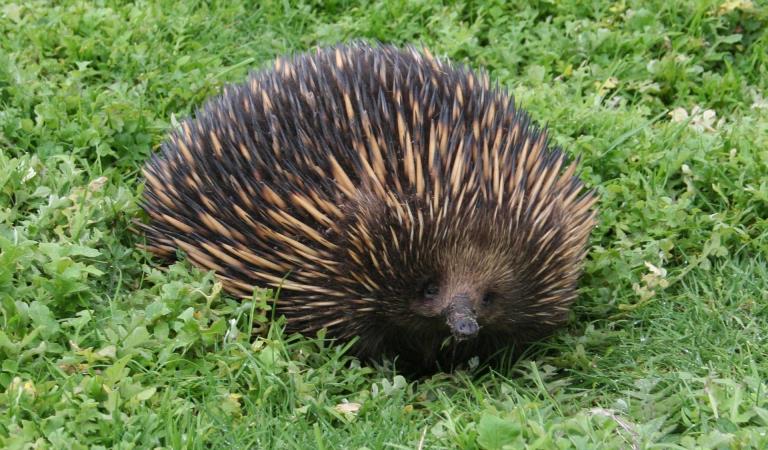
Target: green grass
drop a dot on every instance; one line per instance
(668, 348)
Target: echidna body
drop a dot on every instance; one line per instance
(391, 196)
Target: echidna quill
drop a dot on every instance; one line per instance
(391, 196)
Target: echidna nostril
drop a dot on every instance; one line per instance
(466, 328)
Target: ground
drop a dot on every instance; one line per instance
(665, 101)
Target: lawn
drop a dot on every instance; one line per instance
(101, 347)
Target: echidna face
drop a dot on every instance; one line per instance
(473, 288)
(466, 295)
(458, 306)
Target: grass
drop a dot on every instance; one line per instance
(666, 102)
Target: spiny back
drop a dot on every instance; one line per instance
(378, 188)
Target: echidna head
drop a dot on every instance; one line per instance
(477, 273)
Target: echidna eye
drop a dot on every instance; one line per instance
(431, 290)
(488, 299)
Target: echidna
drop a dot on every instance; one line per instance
(391, 196)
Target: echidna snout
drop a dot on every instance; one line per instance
(392, 197)
(458, 304)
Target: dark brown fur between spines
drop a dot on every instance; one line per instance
(351, 176)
